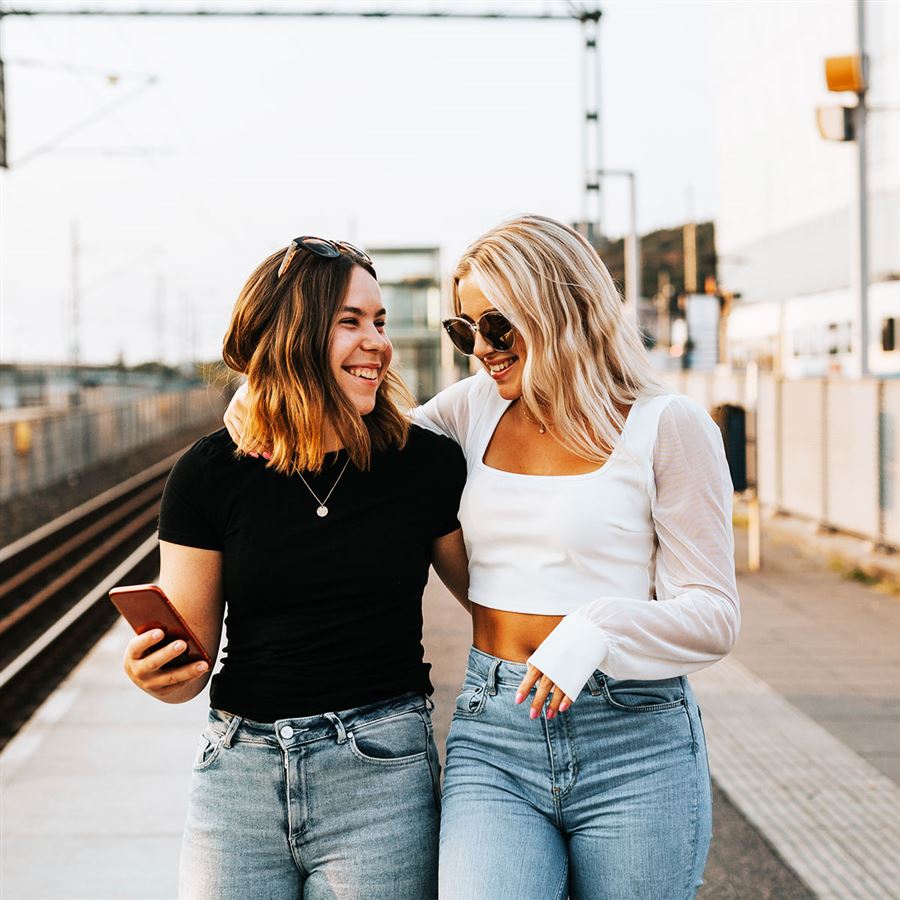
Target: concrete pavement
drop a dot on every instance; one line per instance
(803, 723)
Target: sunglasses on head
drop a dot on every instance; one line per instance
(322, 247)
(493, 326)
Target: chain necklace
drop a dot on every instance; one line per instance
(542, 429)
(322, 511)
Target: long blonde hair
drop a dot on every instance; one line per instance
(586, 362)
(279, 337)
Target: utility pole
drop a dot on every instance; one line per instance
(75, 316)
(592, 133)
(3, 163)
(632, 242)
(848, 123)
(689, 243)
(160, 318)
(589, 19)
(861, 257)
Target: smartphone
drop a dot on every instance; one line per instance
(145, 607)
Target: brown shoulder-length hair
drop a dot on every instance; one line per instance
(279, 337)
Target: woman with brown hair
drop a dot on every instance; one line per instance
(317, 776)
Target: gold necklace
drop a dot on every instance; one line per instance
(322, 511)
(542, 429)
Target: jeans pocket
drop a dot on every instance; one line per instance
(644, 696)
(208, 749)
(393, 740)
(471, 701)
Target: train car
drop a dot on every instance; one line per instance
(812, 336)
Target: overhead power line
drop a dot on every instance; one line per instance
(589, 18)
(578, 13)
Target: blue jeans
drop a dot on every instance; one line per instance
(343, 806)
(607, 801)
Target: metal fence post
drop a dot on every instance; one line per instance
(882, 461)
(823, 442)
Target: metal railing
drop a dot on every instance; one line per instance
(827, 449)
(36, 451)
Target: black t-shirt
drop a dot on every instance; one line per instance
(321, 613)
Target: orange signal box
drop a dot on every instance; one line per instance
(845, 73)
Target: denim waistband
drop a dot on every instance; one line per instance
(289, 733)
(495, 670)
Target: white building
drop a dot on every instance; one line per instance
(784, 227)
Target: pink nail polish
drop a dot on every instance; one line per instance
(534, 713)
(563, 706)
(550, 713)
(254, 455)
(519, 696)
(267, 455)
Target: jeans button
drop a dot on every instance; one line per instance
(286, 732)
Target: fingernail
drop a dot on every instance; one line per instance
(267, 455)
(254, 455)
(534, 713)
(519, 696)
(200, 667)
(551, 713)
(563, 706)
(178, 645)
(157, 635)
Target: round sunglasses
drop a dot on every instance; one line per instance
(321, 247)
(493, 326)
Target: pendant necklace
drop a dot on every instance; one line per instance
(322, 511)
(542, 429)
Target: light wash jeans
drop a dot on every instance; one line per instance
(341, 806)
(607, 801)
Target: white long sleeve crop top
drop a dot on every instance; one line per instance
(638, 556)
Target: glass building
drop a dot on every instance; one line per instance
(410, 279)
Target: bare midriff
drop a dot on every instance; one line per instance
(509, 635)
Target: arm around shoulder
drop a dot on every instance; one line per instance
(451, 412)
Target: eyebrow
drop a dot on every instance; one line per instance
(356, 311)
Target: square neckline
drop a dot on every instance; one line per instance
(594, 473)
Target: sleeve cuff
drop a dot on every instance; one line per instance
(571, 653)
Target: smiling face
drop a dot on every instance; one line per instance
(359, 351)
(504, 366)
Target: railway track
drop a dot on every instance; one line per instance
(53, 586)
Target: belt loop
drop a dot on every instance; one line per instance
(429, 703)
(233, 726)
(338, 726)
(492, 678)
(593, 686)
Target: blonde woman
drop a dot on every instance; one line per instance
(317, 776)
(597, 519)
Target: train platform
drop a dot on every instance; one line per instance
(803, 724)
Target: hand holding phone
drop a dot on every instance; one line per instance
(179, 657)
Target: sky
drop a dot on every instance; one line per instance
(155, 162)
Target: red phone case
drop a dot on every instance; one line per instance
(145, 607)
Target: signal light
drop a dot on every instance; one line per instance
(845, 73)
